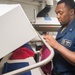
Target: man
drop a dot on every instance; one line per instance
(64, 45)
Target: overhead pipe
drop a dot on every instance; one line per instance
(44, 12)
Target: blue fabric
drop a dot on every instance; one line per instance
(13, 66)
(27, 45)
(66, 73)
(47, 18)
(67, 39)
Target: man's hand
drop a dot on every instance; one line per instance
(51, 41)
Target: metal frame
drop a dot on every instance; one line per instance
(39, 64)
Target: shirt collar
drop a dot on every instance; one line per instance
(67, 29)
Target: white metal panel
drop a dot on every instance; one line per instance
(15, 30)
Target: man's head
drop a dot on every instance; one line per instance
(65, 11)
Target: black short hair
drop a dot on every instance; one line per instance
(68, 3)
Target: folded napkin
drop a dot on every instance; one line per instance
(21, 53)
(14, 66)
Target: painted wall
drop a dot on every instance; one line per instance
(29, 6)
(52, 12)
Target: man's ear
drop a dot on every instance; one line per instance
(72, 12)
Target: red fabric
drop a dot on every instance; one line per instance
(22, 53)
(45, 53)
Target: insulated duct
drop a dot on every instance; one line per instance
(44, 12)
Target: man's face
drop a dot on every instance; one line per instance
(63, 14)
